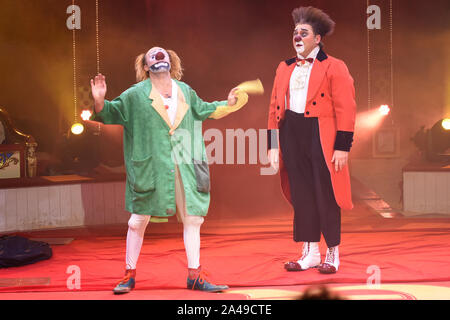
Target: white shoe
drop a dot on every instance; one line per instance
(310, 255)
(331, 264)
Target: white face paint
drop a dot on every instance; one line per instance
(157, 60)
(304, 40)
(299, 47)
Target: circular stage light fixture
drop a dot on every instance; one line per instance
(446, 124)
(435, 142)
(77, 128)
(86, 114)
(384, 109)
(440, 137)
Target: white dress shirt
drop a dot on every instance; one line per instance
(172, 102)
(298, 84)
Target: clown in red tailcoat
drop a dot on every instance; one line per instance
(311, 123)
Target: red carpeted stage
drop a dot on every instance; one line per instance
(410, 255)
(61, 179)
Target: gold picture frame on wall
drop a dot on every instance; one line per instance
(12, 161)
(386, 143)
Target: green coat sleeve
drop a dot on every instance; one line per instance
(115, 111)
(202, 109)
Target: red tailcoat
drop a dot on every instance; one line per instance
(330, 98)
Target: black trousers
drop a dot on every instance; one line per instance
(315, 209)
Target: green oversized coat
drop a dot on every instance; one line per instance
(152, 147)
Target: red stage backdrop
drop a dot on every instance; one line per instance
(221, 44)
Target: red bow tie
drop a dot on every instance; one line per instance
(302, 61)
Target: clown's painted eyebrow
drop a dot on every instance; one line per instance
(302, 29)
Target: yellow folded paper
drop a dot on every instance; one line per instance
(252, 87)
(244, 89)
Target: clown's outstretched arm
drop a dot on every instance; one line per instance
(203, 110)
(108, 112)
(238, 97)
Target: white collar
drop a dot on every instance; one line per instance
(312, 54)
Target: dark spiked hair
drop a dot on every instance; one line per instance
(320, 22)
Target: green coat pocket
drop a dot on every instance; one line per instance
(202, 176)
(144, 177)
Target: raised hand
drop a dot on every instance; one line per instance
(232, 99)
(98, 88)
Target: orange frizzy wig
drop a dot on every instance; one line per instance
(176, 71)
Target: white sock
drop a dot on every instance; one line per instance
(191, 237)
(135, 236)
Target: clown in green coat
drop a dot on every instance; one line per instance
(164, 152)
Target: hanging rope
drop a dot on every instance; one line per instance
(369, 93)
(97, 47)
(97, 37)
(391, 52)
(74, 66)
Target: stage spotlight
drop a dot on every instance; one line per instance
(384, 109)
(435, 142)
(446, 124)
(86, 114)
(77, 128)
(439, 139)
(372, 118)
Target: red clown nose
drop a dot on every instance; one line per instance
(160, 56)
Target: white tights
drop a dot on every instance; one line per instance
(135, 237)
(191, 236)
(191, 230)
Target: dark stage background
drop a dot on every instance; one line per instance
(221, 44)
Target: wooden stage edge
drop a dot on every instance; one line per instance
(57, 180)
(49, 202)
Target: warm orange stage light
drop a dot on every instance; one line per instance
(446, 124)
(369, 119)
(86, 114)
(384, 109)
(77, 128)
